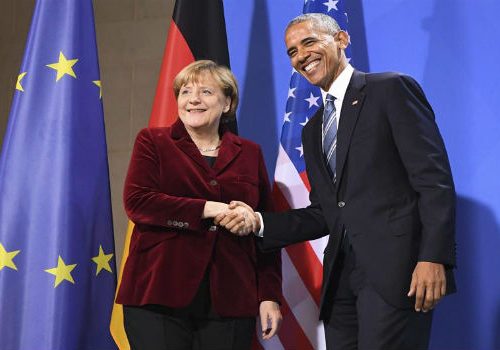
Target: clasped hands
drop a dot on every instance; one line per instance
(239, 218)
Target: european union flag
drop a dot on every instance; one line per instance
(57, 269)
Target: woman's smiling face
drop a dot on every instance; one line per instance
(201, 103)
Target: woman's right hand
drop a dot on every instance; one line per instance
(270, 318)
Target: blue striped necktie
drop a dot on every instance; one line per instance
(330, 134)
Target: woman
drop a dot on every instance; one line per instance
(187, 283)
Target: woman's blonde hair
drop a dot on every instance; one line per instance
(222, 76)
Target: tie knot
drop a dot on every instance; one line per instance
(329, 107)
(330, 98)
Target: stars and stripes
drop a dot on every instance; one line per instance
(302, 269)
(331, 5)
(312, 100)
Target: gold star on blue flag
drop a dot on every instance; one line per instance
(54, 191)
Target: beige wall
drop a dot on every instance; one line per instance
(131, 36)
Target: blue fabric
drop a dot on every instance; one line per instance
(54, 192)
(450, 47)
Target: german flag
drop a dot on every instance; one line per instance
(197, 31)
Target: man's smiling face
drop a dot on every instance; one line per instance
(314, 53)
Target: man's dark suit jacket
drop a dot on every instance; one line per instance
(394, 193)
(171, 248)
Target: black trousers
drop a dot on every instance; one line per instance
(361, 319)
(195, 327)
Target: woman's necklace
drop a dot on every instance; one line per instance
(209, 149)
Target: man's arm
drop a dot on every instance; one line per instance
(422, 151)
(423, 154)
(280, 229)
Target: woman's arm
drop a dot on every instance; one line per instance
(144, 199)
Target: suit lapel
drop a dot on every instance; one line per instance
(230, 148)
(186, 145)
(316, 138)
(351, 106)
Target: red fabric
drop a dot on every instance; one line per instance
(176, 56)
(171, 247)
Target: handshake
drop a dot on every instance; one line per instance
(238, 218)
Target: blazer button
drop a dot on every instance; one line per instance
(186, 224)
(169, 222)
(213, 183)
(341, 204)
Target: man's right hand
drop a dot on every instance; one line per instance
(240, 219)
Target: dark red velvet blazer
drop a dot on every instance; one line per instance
(171, 248)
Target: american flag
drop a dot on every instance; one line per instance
(302, 263)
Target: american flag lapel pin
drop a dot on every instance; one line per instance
(355, 102)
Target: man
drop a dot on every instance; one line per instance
(381, 187)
